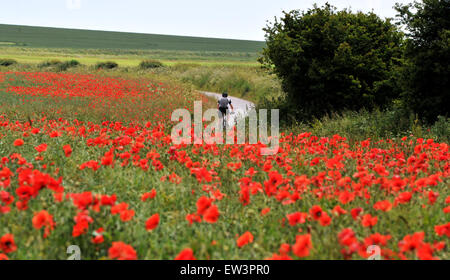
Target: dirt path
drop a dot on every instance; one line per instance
(241, 106)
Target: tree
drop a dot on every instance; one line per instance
(331, 60)
(426, 74)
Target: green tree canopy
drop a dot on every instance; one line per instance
(331, 60)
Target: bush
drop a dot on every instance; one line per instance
(59, 65)
(148, 64)
(67, 64)
(49, 63)
(331, 61)
(427, 74)
(391, 123)
(107, 65)
(7, 62)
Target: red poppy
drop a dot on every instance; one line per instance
(98, 236)
(212, 214)
(265, 211)
(122, 251)
(193, 218)
(369, 221)
(297, 218)
(316, 212)
(152, 222)
(325, 220)
(443, 229)
(67, 150)
(203, 203)
(43, 219)
(41, 148)
(18, 142)
(149, 195)
(7, 244)
(302, 245)
(355, 212)
(186, 255)
(244, 239)
(384, 205)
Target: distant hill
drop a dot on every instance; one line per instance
(46, 37)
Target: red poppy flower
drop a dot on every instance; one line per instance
(212, 214)
(41, 148)
(152, 222)
(338, 210)
(193, 218)
(384, 205)
(122, 251)
(18, 142)
(302, 245)
(297, 218)
(244, 239)
(316, 212)
(369, 221)
(203, 203)
(67, 150)
(265, 211)
(325, 220)
(98, 236)
(355, 212)
(149, 195)
(443, 229)
(43, 219)
(186, 255)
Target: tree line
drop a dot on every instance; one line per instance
(331, 60)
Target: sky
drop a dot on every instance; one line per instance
(233, 19)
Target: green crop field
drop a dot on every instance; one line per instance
(44, 37)
(28, 44)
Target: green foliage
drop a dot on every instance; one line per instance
(330, 61)
(426, 75)
(7, 62)
(150, 63)
(59, 65)
(392, 123)
(106, 65)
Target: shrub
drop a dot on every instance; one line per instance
(67, 64)
(49, 63)
(7, 62)
(148, 64)
(330, 61)
(59, 65)
(107, 65)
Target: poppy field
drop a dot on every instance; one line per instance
(88, 160)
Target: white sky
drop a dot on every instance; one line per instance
(235, 19)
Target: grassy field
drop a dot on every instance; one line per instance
(88, 160)
(126, 59)
(31, 44)
(44, 37)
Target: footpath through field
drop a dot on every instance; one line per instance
(241, 106)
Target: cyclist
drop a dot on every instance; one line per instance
(222, 105)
